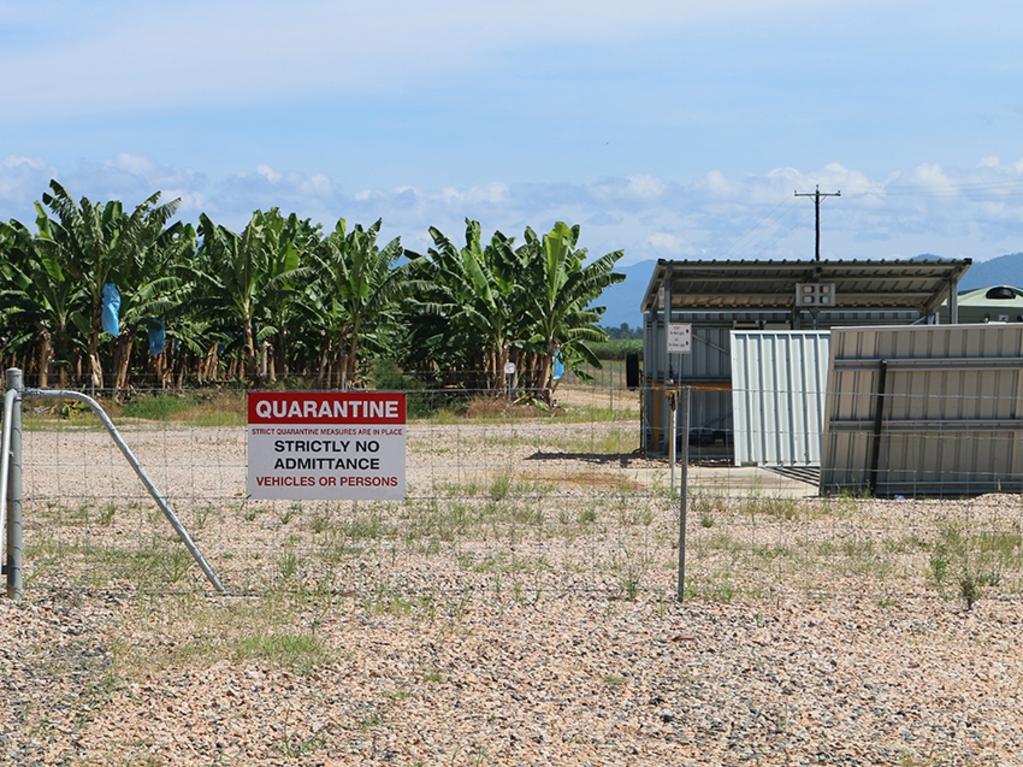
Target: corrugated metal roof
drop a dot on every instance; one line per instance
(917, 284)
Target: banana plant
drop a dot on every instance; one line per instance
(471, 296)
(560, 289)
(43, 306)
(351, 296)
(252, 275)
(153, 287)
(97, 243)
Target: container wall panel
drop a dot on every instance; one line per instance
(951, 423)
(779, 380)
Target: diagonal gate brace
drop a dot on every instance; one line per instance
(133, 460)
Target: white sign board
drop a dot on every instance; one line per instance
(680, 338)
(326, 445)
(509, 368)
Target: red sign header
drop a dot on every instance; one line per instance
(316, 407)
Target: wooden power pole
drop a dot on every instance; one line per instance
(817, 194)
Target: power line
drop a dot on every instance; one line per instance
(750, 235)
(817, 194)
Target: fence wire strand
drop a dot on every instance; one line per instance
(515, 500)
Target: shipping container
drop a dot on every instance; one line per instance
(930, 410)
(779, 381)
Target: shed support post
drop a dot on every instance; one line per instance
(669, 370)
(953, 302)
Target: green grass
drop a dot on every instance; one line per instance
(974, 562)
(386, 600)
(155, 408)
(616, 348)
(149, 566)
(616, 441)
(298, 652)
(211, 409)
(717, 588)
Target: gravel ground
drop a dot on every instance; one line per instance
(518, 610)
(569, 681)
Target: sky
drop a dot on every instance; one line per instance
(666, 129)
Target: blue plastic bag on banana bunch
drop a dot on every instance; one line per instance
(559, 367)
(111, 306)
(157, 337)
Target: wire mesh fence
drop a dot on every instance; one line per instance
(500, 497)
(503, 496)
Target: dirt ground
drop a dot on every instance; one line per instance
(517, 609)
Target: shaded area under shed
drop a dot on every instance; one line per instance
(717, 297)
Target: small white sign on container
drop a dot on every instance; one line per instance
(326, 445)
(680, 338)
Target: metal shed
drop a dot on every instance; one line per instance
(779, 379)
(716, 297)
(925, 409)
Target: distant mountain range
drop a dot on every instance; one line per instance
(1004, 270)
(622, 300)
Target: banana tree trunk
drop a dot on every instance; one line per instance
(324, 364)
(264, 360)
(44, 358)
(250, 350)
(351, 370)
(546, 371)
(95, 367)
(280, 362)
(122, 360)
(157, 366)
(210, 364)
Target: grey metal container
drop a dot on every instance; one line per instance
(924, 410)
(779, 381)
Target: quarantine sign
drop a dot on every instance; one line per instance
(326, 445)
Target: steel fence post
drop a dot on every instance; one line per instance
(672, 437)
(14, 566)
(683, 494)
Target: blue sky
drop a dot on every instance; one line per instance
(669, 129)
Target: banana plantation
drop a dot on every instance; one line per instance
(94, 294)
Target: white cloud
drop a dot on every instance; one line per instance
(645, 187)
(669, 243)
(317, 185)
(718, 185)
(931, 177)
(493, 193)
(976, 211)
(268, 173)
(22, 179)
